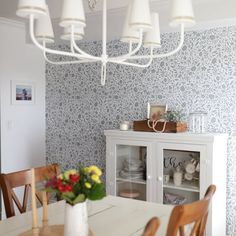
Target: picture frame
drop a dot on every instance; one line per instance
(22, 92)
(156, 111)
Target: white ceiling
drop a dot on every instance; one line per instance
(205, 11)
(8, 7)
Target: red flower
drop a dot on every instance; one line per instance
(65, 187)
(61, 188)
(68, 188)
(74, 178)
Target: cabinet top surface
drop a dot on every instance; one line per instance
(165, 136)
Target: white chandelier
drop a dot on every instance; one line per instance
(141, 28)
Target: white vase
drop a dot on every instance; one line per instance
(76, 220)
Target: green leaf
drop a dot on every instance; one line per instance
(69, 195)
(79, 198)
(68, 200)
(49, 189)
(97, 192)
(76, 188)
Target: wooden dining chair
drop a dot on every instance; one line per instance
(194, 214)
(151, 227)
(8, 182)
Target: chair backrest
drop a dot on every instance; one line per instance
(151, 227)
(195, 213)
(23, 179)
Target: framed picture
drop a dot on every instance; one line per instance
(22, 92)
(156, 112)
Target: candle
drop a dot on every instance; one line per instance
(33, 199)
(148, 110)
(124, 125)
(45, 206)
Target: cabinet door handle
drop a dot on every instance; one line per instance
(149, 177)
(159, 178)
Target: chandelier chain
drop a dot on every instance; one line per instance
(92, 4)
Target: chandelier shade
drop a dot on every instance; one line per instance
(44, 29)
(140, 17)
(129, 35)
(78, 33)
(72, 13)
(27, 7)
(182, 13)
(152, 38)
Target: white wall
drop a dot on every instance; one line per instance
(22, 126)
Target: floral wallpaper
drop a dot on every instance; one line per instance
(202, 76)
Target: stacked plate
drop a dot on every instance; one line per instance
(132, 169)
(173, 199)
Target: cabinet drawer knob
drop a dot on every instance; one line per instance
(149, 177)
(159, 178)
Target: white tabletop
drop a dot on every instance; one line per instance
(112, 216)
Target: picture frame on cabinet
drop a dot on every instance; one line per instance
(22, 92)
(156, 111)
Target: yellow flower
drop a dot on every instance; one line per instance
(88, 185)
(94, 170)
(69, 172)
(96, 178)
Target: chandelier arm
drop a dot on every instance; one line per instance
(48, 50)
(181, 42)
(80, 61)
(132, 64)
(135, 64)
(126, 56)
(103, 58)
(76, 47)
(64, 62)
(130, 50)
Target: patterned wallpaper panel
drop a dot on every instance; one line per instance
(202, 76)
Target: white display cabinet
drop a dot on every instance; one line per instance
(169, 169)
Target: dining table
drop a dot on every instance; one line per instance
(111, 216)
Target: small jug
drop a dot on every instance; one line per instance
(197, 122)
(178, 175)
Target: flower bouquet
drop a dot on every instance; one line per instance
(75, 187)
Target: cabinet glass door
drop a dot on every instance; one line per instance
(181, 176)
(131, 163)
